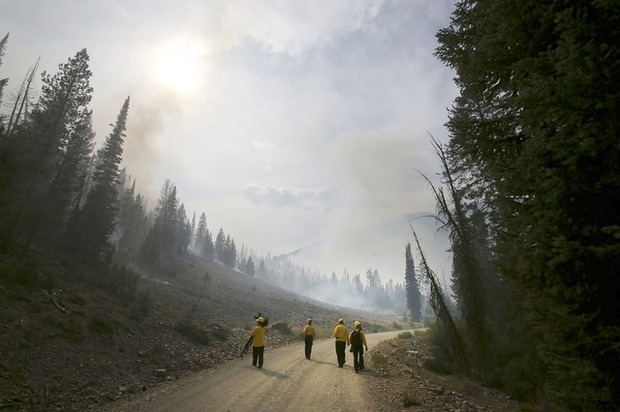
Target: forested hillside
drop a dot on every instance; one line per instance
(530, 199)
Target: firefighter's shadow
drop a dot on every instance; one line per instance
(322, 362)
(273, 374)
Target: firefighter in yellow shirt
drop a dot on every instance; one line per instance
(258, 342)
(309, 333)
(342, 341)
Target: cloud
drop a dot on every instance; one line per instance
(282, 26)
(322, 198)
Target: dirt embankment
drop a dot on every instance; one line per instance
(68, 343)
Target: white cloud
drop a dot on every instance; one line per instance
(321, 198)
(290, 27)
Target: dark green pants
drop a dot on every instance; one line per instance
(340, 352)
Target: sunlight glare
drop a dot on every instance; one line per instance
(178, 65)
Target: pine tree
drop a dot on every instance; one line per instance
(60, 142)
(414, 298)
(533, 140)
(249, 267)
(131, 225)
(201, 234)
(182, 232)
(167, 215)
(208, 249)
(95, 222)
(220, 246)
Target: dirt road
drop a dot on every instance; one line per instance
(287, 382)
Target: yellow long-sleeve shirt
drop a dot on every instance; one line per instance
(340, 333)
(309, 330)
(258, 333)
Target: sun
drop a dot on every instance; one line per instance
(178, 66)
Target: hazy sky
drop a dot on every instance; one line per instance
(287, 122)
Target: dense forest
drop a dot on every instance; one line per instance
(530, 200)
(529, 196)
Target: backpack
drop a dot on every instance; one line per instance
(356, 338)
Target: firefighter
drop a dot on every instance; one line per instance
(309, 333)
(358, 342)
(258, 342)
(342, 341)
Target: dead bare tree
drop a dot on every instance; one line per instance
(444, 318)
(21, 100)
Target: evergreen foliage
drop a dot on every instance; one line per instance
(47, 158)
(131, 225)
(534, 146)
(93, 224)
(170, 233)
(225, 249)
(414, 297)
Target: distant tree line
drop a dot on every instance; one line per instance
(58, 193)
(367, 291)
(530, 197)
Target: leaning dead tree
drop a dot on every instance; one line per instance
(444, 318)
(20, 107)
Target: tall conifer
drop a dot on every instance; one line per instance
(97, 219)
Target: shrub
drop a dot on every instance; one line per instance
(122, 282)
(378, 360)
(405, 335)
(193, 332)
(409, 401)
(141, 307)
(219, 332)
(24, 273)
(100, 326)
(283, 328)
(72, 328)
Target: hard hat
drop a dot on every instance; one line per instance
(260, 319)
(357, 323)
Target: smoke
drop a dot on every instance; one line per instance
(145, 150)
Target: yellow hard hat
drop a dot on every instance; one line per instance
(357, 324)
(260, 319)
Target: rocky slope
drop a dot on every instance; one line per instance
(74, 340)
(399, 380)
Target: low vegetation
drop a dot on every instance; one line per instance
(74, 338)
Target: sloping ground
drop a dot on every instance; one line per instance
(74, 340)
(398, 380)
